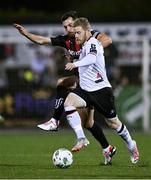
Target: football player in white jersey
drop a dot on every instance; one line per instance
(65, 84)
(95, 89)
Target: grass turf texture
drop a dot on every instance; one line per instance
(26, 154)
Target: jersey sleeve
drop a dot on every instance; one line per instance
(95, 33)
(91, 48)
(58, 41)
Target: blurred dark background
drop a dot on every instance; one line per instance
(27, 11)
(29, 72)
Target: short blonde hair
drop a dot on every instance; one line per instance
(83, 22)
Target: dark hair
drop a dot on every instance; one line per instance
(68, 14)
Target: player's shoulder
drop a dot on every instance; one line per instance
(92, 40)
(95, 33)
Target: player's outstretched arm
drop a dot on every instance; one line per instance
(32, 37)
(104, 39)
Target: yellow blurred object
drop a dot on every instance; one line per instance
(28, 75)
(42, 94)
(9, 104)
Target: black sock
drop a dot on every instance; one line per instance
(97, 132)
(62, 93)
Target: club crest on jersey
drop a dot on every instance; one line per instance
(98, 75)
(93, 49)
(99, 78)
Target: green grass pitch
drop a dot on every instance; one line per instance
(27, 155)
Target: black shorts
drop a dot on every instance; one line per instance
(102, 100)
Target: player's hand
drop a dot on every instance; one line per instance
(20, 28)
(68, 57)
(70, 66)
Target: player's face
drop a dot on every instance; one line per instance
(80, 35)
(68, 25)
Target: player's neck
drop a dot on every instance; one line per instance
(88, 35)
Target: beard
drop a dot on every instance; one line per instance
(82, 40)
(78, 41)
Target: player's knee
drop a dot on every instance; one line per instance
(74, 100)
(89, 123)
(68, 82)
(68, 103)
(88, 117)
(113, 123)
(59, 82)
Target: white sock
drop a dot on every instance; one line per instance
(75, 121)
(124, 133)
(106, 149)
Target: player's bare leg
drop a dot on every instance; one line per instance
(87, 117)
(72, 102)
(64, 85)
(122, 130)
